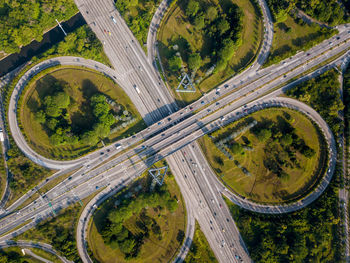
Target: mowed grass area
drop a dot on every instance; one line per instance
(172, 227)
(262, 185)
(200, 251)
(290, 37)
(82, 84)
(175, 26)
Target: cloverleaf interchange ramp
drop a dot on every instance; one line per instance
(203, 192)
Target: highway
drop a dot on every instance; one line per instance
(134, 69)
(204, 111)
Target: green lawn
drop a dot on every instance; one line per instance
(82, 84)
(261, 184)
(153, 250)
(175, 29)
(200, 251)
(290, 37)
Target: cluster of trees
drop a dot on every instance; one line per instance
(22, 21)
(24, 172)
(118, 236)
(103, 120)
(11, 257)
(55, 117)
(60, 233)
(139, 23)
(221, 26)
(322, 94)
(330, 12)
(281, 144)
(308, 235)
(82, 42)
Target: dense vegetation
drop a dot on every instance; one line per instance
(22, 21)
(59, 232)
(24, 173)
(138, 15)
(346, 100)
(13, 255)
(309, 235)
(222, 27)
(330, 12)
(200, 251)
(322, 94)
(117, 235)
(82, 42)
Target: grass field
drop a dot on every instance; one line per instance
(289, 37)
(261, 185)
(83, 83)
(175, 26)
(200, 249)
(153, 250)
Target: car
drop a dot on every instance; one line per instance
(220, 205)
(228, 220)
(101, 153)
(96, 186)
(108, 150)
(70, 177)
(217, 103)
(163, 134)
(202, 102)
(223, 230)
(169, 119)
(191, 108)
(222, 118)
(159, 123)
(113, 19)
(217, 93)
(308, 54)
(134, 136)
(117, 146)
(330, 43)
(209, 110)
(214, 214)
(225, 86)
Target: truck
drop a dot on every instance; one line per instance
(1, 135)
(137, 89)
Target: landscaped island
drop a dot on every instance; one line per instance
(274, 155)
(66, 112)
(208, 40)
(143, 223)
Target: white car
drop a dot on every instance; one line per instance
(113, 19)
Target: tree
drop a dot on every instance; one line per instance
(101, 130)
(127, 246)
(60, 100)
(236, 148)
(222, 26)
(52, 124)
(40, 116)
(56, 139)
(194, 61)
(89, 138)
(199, 22)
(286, 139)
(211, 13)
(175, 63)
(192, 8)
(263, 135)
